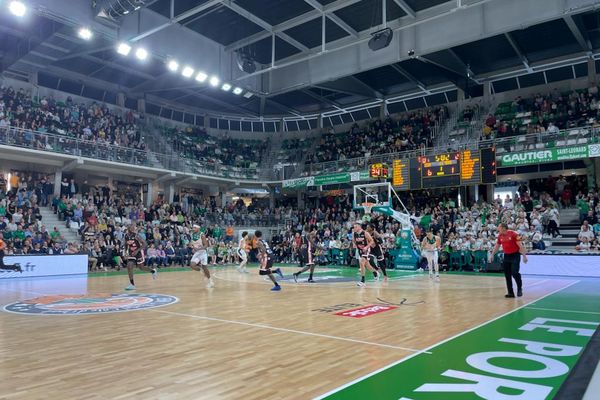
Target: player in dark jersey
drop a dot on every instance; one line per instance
(7, 267)
(306, 252)
(265, 258)
(377, 253)
(133, 252)
(363, 243)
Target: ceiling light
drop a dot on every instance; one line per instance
(237, 91)
(123, 49)
(173, 65)
(214, 81)
(17, 8)
(201, 77)
(85, 33)
(141, 53)
(248, 95)
(137, 8)
(187, 71)
(226, 87)
(125, 12)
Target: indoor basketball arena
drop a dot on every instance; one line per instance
(299, 199)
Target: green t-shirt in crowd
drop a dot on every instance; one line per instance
(217, 232)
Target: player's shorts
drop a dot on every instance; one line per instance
(433, 254)
(306, 257)
(363, 253)
(137, 259)
(243, 255)
(200, 257)
(266, 269)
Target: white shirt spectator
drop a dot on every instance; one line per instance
(585, 233)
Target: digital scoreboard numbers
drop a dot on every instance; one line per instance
(470, 167)
(441, 170)
(401, 174)
(379, 171)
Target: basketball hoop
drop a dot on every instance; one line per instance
(367, 206)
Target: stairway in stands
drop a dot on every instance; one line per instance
(569, 229)
(50, 220)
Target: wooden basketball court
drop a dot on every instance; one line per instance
(238, 340)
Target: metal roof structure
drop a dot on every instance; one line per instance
(312, 55)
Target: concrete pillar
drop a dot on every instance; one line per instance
(490, 193)
(33, 78)
(272, 198)
(487, 91)
(57, 180)
(206, 121)
(170, 193)
(592, 73)
(121, 99)
(383, 110)
(150, 194)
(300, 197)
(320, 121)
(141, 105)
(460, 95)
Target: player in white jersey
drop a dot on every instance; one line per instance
(199, 245)
(431, 245)
(243, 253)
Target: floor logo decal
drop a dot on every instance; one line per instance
(98, 303)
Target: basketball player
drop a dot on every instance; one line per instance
(8, 267)
(363, 243)
(431, 246)
(378, 255)
(513, 249)
(243, 253)
(200, 245)
(134, 255)
(265, 258)
(307, 252)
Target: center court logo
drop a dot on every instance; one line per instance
(99, 303)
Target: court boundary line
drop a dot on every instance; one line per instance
(559, 310)
(362, 378)
(275, 328)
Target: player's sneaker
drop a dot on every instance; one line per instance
(130, 287)
(376, 278)
(276, 288)
(154, 273)
(430, 275)
(519, 292)
(437, 278)
(240, 270)
(360, 284)
(210, 283)
(278, 272)
(295, 276)
(310, 280)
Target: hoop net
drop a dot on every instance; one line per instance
(367, 206)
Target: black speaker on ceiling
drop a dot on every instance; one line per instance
(245, 63)
(381, 39)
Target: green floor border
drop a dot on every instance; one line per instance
(401, 272)
(519, 342)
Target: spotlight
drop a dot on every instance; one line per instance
(381, 39)
(226, 87)
(214, 81)
(85, 33)
(123, 49)
(201, 77)
(173, 65)
(141, 54)
(187, 71)
(17, 8)
(237, 91)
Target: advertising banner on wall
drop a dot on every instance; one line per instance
(549, 155)
(44, 265)
(323, 180)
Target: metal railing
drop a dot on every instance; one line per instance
(246, 219)
(64, 144)
(565, 138)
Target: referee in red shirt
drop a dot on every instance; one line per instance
(513, 248)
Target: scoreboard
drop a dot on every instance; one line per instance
(460, 168)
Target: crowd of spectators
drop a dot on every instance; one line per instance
(94, 123)
(540, 113)
(410, 131)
